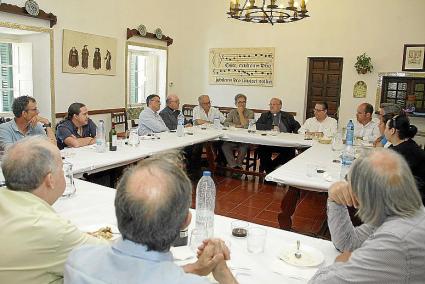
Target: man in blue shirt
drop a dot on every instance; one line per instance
(152, 206)
(149, 120)
(77, 129)
(26, 122)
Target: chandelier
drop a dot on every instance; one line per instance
(271, 12)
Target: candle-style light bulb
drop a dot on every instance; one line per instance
(291, 3)
(303, 6)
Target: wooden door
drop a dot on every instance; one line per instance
(324, 84)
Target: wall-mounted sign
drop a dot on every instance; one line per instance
(360, 89)
(241, 66)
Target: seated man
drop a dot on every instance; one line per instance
(283, 122)
(149, 120)
(389, 246)
(77, 129)
(205, 113)
(34, 240)
(365, 127)
(238, 117)
(152, 206)
(170, 113)
(321, 122)
(27, 122)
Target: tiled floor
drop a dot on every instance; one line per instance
(248, 200)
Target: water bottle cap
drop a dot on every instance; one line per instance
(206, 174)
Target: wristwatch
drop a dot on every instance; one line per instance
(46, 125)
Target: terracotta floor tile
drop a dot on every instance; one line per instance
(246, 211)
(225, 206)
(237, 197)
(267, 215)
(238, 216)
(257, 202)
(274, 206)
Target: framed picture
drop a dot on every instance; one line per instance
(88, 54)
(413, 57)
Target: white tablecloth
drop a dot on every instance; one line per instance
(93, 207)
(265, 138)
(295, 171)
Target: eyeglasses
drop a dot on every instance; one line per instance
(317, 110)
(242, 102)
(157, 101)
(206, 103)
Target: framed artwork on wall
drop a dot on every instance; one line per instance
(88, 53)
(414, 58)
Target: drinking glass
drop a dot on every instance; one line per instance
(256, 240)
(196, 237)
(133, 139)
(251, 126)
(69, 180)
(337, 143)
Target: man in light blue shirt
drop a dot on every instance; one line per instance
(26, 122)
(152, 206)
(149, 120)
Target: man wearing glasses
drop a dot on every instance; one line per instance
(26, 122)
(239, 118)
(205, 113)
(149, 120)
(321, 122)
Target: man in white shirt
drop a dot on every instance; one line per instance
(149, 120)
(205, 113)
(321, 122)
(365, 127)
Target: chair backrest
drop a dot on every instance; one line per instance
(133, 115)
(4, 119)
(119, 118)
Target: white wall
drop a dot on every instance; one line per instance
(342, 28)
(41, 71)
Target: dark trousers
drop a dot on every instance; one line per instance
(267, 164)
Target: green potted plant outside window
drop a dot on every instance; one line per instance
(363, 64)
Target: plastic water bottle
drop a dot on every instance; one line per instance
(205, 203)
(349, 137)
(180, 125)
(348, 155)
(217, 124)
(100, 137)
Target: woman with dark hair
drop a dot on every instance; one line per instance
(400, 132)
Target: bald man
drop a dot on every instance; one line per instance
(170, 113)
(34, 241)
(365, 127)
(283, 122)
(152, 206)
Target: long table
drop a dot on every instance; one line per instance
(93, 207)
(87, 160)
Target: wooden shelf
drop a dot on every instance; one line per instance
(14, 9)
(135, 32)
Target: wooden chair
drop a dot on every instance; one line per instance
(117, 119)
(133, 114)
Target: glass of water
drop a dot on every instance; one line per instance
(69, 180)
(256, 240)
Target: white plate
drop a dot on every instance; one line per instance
(310, 256)
(93, 228)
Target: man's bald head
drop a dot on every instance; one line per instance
(384, 186)
(152, 202)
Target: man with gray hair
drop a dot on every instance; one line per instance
(34, 241)
(171, 112)
(389, 247)
(205, 113)
(238, 118)
(152, 206)
(149, 119)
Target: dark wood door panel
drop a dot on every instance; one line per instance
(324, 83)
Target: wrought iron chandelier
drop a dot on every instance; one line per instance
(258, 11)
